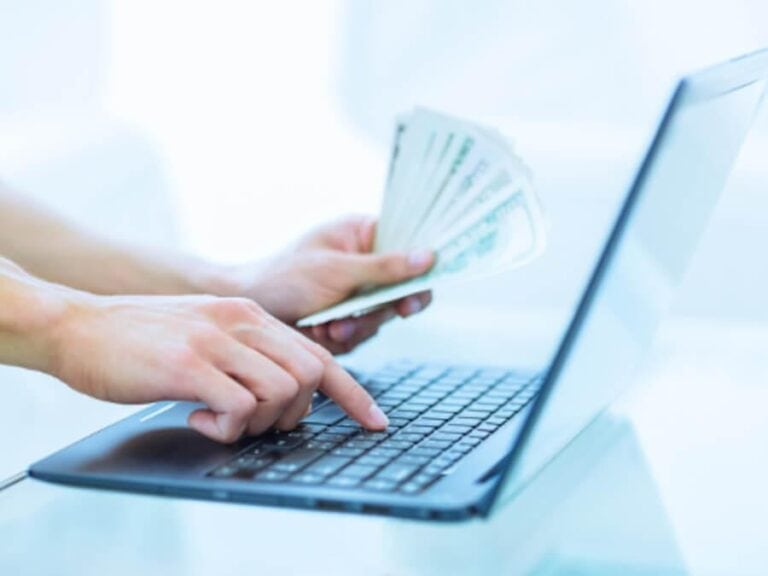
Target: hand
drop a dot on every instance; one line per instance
(250, 370)
(324, 268)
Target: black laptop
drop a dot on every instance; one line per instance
(464, 439)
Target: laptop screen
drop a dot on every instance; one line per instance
(643, 261)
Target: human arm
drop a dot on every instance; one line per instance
(55, 249)
(323, 268)
(250, 370)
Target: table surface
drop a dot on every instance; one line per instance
(669, 481)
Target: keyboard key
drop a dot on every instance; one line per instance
(258, 449)
(320, 445)
(388, 404)
(359, 442)
(226, 471)
(416, 428)
(466, 393)
(475, 411)
(358, 470)
(307, 478)
(282, 442)
(399, 422)
(349, 427)
(428, 424)
(327, 465)
(310, 428)
(410, 488)
(439, 444)
(450, 436)
(327, 414)
(397, 471)
(449, 409)
(251, 462)
(380, 484)
(344, 481)
(384, 451)
(452, 428)
(349, 452)
(487, 427)
(409, 458)
(465, 421)
(373, 460)
(453, 401)
(436, 415)
(434, 470)
(417, 406)
(297, 459)
(399, 443)
(404, 414)
(469, 441)
(398, 395)
(304, 435)
(452, 454)
(421, 479)
(330, 437)
(378, 436)
(272, 475)
(405, 436)
(425, 451)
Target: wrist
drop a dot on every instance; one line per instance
(31, 314)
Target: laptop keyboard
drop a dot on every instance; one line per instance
(437, 416)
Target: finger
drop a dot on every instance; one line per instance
(320, 332)
(338, 385)
(366, 233)
(366, 331)
(325, 341)
(274, 387)
(356, 330)
(284, 346)
(229, 405)
(413, 304)
(386, 268)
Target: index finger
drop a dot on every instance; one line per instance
(340, 387)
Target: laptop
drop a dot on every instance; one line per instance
(463, 440)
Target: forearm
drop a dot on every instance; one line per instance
(52, 248)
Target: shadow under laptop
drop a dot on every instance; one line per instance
(595, 509)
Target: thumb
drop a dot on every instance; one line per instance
(387, 268)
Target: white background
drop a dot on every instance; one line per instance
(230, 127)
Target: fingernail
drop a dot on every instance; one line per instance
(420, 260)
(414, 305)
(343, 330)
(377, 418)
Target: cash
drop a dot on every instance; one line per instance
(460, 190)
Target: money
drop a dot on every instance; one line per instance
(458, 189)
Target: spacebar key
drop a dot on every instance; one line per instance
(327, 414)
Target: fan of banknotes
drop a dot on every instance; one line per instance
(458, 189)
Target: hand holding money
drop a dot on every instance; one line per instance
(458, 190)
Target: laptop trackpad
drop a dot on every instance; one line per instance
(161, 445)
